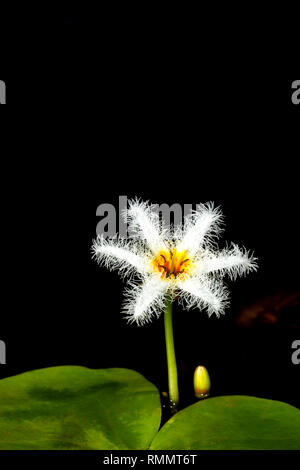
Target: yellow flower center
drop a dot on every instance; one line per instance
(172, 264)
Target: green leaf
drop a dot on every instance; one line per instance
(72, 407)
(230, 423)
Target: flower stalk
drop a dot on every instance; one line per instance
(171, 358)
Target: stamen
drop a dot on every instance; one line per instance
(161, 266)
(170, 265)
(182, 262)
(172, 262)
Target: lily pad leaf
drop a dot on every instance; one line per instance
(232, 423)
(72, 407)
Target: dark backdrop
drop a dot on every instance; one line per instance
(97, 122)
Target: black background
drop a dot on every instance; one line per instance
(104, 116)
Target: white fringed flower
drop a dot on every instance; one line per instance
(182, 262)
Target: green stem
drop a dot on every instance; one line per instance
(171, 359)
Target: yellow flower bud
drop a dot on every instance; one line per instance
(201, 382)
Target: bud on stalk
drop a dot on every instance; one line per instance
(201, 382)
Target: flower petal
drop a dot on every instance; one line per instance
(144, 223)
(233, 261)
(204, 293)
(142, 302)
(121, 255)
(200, 226)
